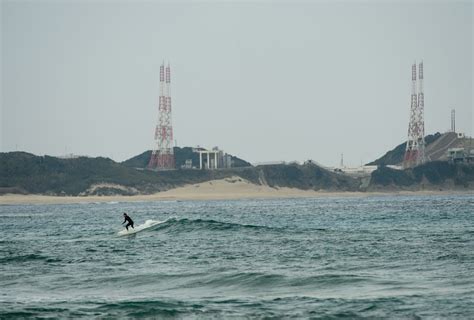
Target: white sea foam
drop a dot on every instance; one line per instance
(146, 225)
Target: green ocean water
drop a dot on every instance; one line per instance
(400, 257)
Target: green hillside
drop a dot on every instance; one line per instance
(434, 175)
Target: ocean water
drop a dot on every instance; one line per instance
(395, 257)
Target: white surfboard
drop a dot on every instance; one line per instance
(148, 224)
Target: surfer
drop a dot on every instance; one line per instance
(127, 219)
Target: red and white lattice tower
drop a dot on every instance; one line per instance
(415, 149)
(162, 157)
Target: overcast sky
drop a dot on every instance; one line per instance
(263, 81)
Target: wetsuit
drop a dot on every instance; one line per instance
(129, 220)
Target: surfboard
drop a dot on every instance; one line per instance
(148, 224)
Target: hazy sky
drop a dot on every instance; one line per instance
(264, 81)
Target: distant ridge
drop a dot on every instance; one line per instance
(26, 173)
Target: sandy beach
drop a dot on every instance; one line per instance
(229, 188)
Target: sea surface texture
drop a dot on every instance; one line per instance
(402, 257)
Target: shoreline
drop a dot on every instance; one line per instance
(226, 189)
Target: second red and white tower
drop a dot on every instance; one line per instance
(415, 149)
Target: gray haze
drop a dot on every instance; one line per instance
(286, 81)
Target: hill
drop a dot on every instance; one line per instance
(437, 146)
(436, 175)
(22, 172)
(180, 156)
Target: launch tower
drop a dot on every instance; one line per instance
(162, 157)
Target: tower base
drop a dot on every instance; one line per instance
(161, 162)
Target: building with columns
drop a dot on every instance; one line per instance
(213, 159)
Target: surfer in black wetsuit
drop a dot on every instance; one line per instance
(127, 219)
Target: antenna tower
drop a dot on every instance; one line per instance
(162, 157)
(415, 149)
(453, 120)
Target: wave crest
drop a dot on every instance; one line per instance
(189, 225)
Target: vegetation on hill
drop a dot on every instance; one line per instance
(395, 156)
(432, 175)
(305, 177)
